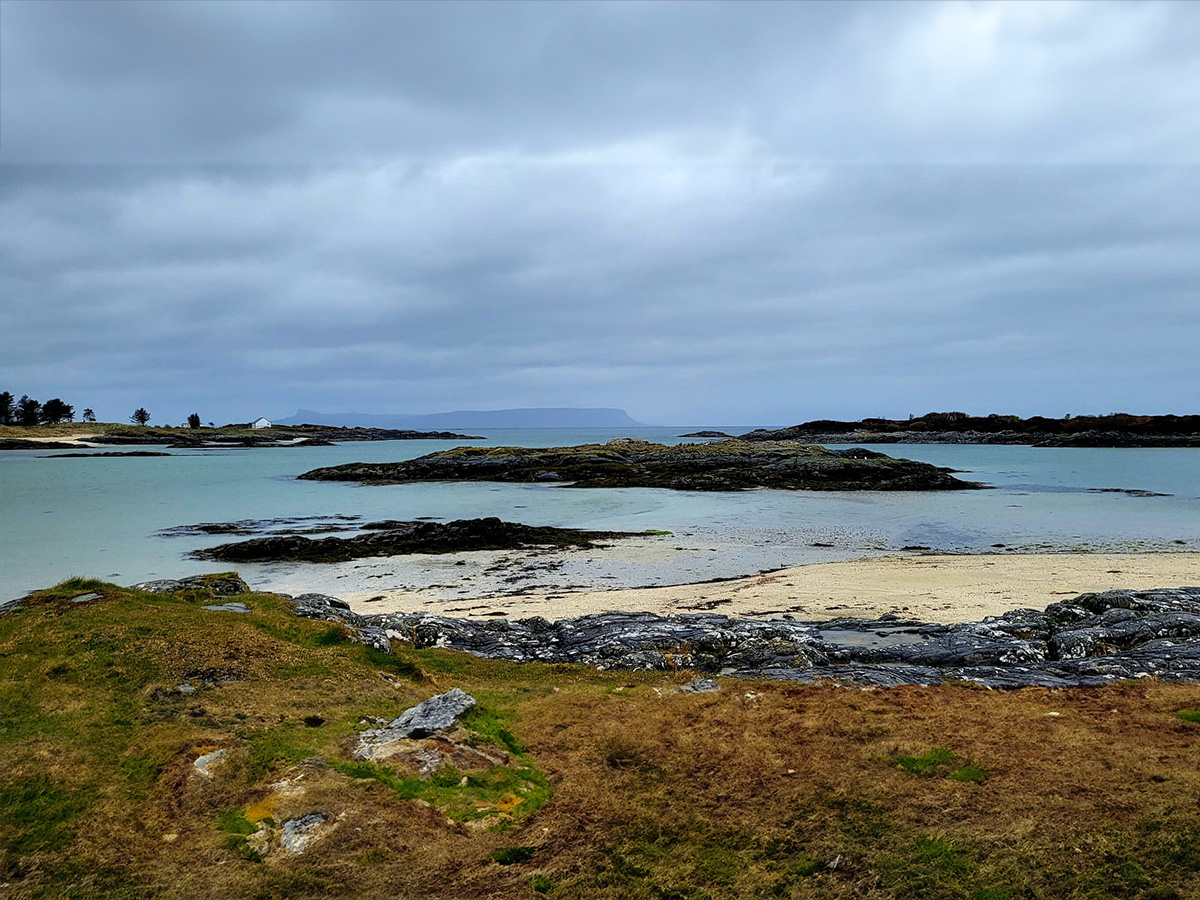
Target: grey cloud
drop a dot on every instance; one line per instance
(275, 82)
(675, 208)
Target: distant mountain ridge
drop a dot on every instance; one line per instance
(535, 417)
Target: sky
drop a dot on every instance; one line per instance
(702, 213)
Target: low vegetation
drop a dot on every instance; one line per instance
(615, 785)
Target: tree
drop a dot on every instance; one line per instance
(55, 411)
(6, 408)
(89, 415)
(140, 416)
(28, 410)
(194, 420)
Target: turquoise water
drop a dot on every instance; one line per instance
(100, 517)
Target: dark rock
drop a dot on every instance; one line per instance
(223, 585)
(1091, 639)
(707, 434)
(726, 465)
(700, 685)
(406, 537)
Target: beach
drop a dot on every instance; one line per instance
(930, 588)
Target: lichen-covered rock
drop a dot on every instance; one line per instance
(228, 607)
(226, 584)
(297, 834)
(208, 764)
(427, 717)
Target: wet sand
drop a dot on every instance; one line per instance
(932, 588)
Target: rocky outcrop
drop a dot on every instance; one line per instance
(396, 538)
(1093, 639)
(225, 584)
(726, 465)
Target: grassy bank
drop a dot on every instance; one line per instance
(614, 785)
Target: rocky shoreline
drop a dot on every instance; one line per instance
(726, 465)
(1089, 640)
(1092, 639)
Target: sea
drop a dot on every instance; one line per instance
(113, 518)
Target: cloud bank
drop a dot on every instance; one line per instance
(703, 213)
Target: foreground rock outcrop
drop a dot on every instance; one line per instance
(727, 465)
(1090, 640)
(393, 538)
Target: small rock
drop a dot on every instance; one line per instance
(207, 764)
(297, 834)
(432, 715)
(86, 598)
(229, 607)
(701, 686)
(186, 689)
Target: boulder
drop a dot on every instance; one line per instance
(427, 717)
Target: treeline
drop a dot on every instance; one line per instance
(1118, 423)
(28, 411)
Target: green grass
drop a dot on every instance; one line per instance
(1189, 715)
(38, 814)
(970, 773)
(511, 856)
(285, 743)
(927, 764)
(928, 868)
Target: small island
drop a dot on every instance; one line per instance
(728, 465)
(393, 538)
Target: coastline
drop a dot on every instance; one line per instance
(941, 588)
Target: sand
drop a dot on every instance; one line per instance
(61, 438)
(931, 588)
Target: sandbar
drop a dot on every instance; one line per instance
(945, 588)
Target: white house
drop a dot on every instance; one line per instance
(261, 422)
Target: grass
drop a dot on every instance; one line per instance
(764, 790)
(941, 762)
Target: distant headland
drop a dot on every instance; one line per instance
(1114, 430)
(533, 417)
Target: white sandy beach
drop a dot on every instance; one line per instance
(934, 588)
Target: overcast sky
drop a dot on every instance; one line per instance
(730, 213)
